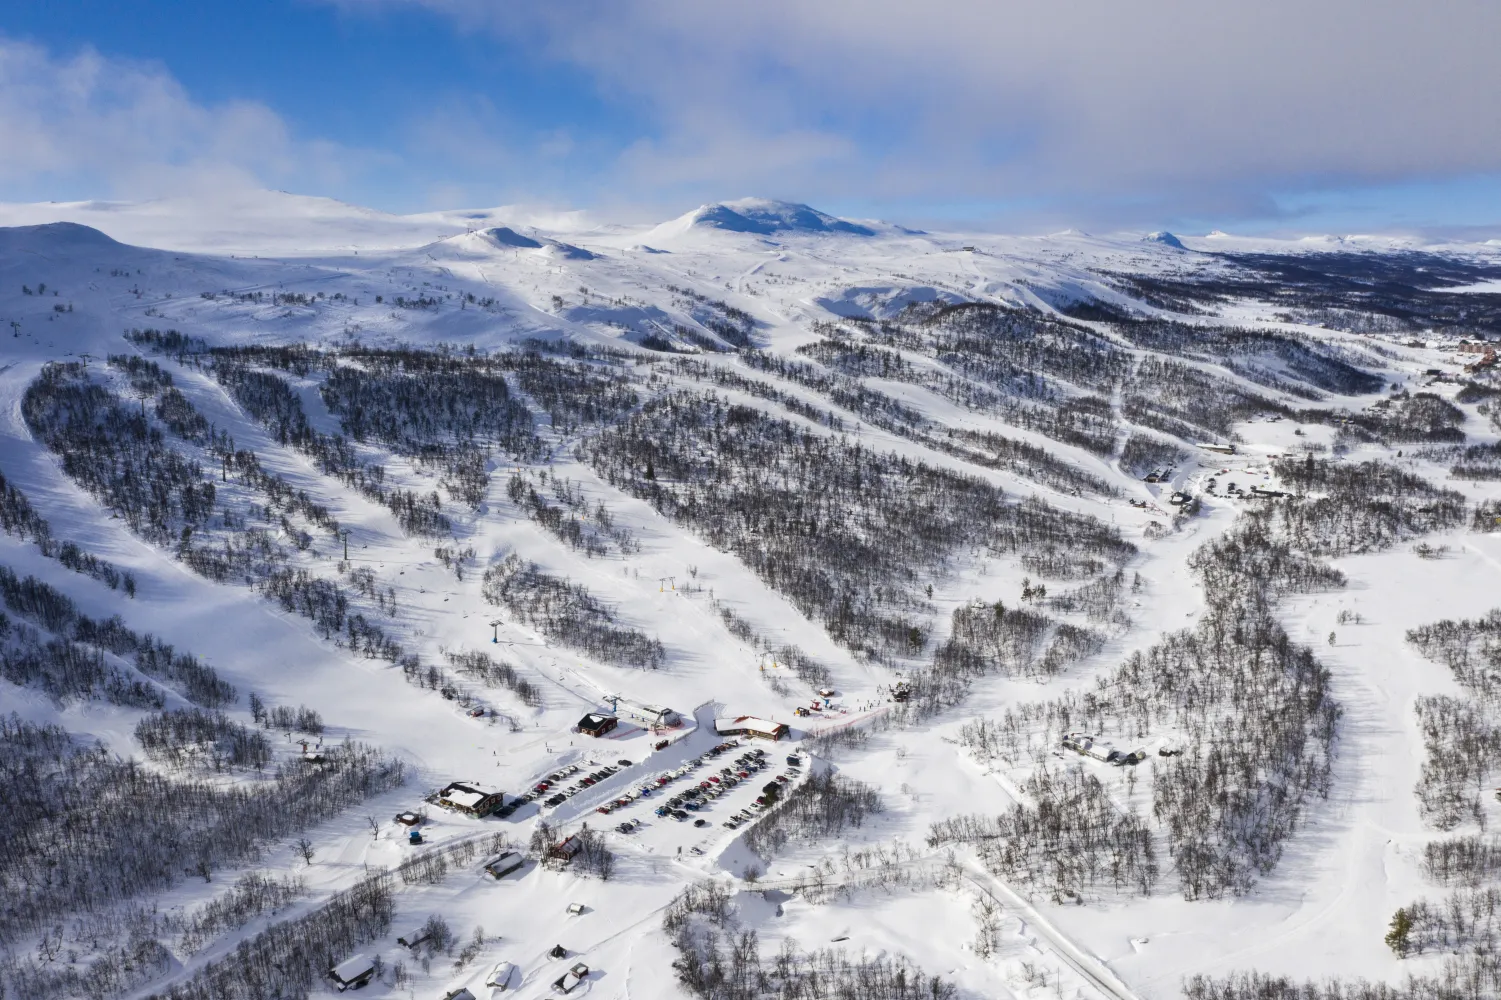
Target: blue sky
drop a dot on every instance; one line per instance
(1323, 115)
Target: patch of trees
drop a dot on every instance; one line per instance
(993, 639)
(984, 448)
(1074, 841)
(1470, 648)
(56, 612)
(1188, 403)
(1143, 454)
(93, 835)
(847, 533)
(1254, 709)
(19, 518)
(822, 807)
(1298, 365)
(719, 961)
(571, 520)
(1082, 420)
(253, 895)
(196, 738)
(1479, 462)
(1471, 977)
(806, 668)
(328, 607)
(733, 326)
(1460, 744)
(444, 411)
(115, 969)
(1468, 860)
(1099, 600)
(270, 400)
(1400, 418)
(1461, 736)
(1007, 347)
(1363, 507)
(289, 960)
(568, 613)
(479, 666)
(116, 455)
(574, 393)
(66, 670)
(1467, 920)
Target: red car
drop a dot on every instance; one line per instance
(661, 744)
(541, 786)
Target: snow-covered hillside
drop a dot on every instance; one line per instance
(1126, 600)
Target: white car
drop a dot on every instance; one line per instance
(500, 977)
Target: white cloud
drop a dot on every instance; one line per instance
(1035, 99)
(93, 124)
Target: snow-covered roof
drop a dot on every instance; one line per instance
(463, 797)
(353, 968)
(750, 723)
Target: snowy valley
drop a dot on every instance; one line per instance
(757, 604)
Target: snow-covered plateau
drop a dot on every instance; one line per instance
(760, 604)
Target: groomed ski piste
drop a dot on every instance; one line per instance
(640, 302)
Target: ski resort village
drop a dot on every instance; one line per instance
(756, 605)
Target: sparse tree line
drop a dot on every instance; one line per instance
(1076, 841)
(195, 738)
(479, 666)
(817, 809)
(1255, 711)
(271, 401)
(1461, 735)
(571, 520)
(1187, 402)
(19, 518)
(986, 449)
(993, 639)
(1401, 418)
(290, 959)
(65, 407)
(568, 613)
(806, 668)
(1348, 507)
(847, 533)
(78, 669)
(94, 836)
(719, 961)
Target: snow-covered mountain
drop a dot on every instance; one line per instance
(1126, 599)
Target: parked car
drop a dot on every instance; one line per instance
(700, 822)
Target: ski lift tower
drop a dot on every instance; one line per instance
(495, 630)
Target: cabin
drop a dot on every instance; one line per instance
(1218, 449)
(1101, 750)
(352, 973)
(503, 864)
(413, 937)
(561, 854)
(468, 798)
(749, 725)
(462, 993)
(596, 725)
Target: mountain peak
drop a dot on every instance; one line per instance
(764, 217)
(1166, 238)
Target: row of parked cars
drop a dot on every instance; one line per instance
(549, 792)
(769, 793)
(661, 781)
